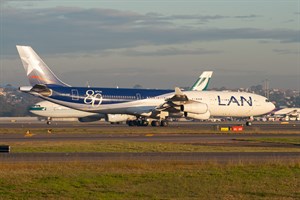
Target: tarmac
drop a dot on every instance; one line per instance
(141, 135)
(271, 126)
(214, 157)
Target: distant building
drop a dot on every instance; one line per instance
(2, 92)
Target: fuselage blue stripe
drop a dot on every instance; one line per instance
(82, 95)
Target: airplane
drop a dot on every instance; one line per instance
(288, 113)
(202, 83)
(52, 110)
(148, 105)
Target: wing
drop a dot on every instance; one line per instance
(174, 102)
(180, 103)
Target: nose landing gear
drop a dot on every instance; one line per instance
(49, 120)
(248, 123)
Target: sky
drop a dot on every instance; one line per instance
(157, 44)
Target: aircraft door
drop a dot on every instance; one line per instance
(75, 95)
(257, 103)
(211, 99)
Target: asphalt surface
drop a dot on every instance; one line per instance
(143, 136)
(180, 138)
(215, 157)
(271, 126)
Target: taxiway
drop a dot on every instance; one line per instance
(148, 134)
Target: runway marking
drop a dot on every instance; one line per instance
(28, 134)
(284, 122)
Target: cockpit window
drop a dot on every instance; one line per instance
(267, 100)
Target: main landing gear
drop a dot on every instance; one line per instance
(138, 122)
(160, 123)
(143, 122)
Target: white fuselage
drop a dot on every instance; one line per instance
(234, 104)
(288, 111)
(49, 109)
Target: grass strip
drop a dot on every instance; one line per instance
(139, 130)
(144, 180)
(126, 146)
(294, 141)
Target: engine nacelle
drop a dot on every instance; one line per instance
(90, 118)
(203, 116)
(196, 108)
(119, 117)
(176, 115)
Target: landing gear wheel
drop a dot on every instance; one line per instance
(137, 122)
(248, 123)
(164, 123)
(144, 123)
(132, 123)
(49, 120)
(155, 123)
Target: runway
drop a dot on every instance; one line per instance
(270, 126)
(142, 137)
(216, 157)
(171, 134)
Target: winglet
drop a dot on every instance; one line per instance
(179, 96)
(178, 91)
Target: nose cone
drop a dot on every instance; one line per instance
(36, 109)
(271, 107)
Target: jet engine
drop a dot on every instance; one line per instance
(196, 108)
(119, 117)
(89, 118)
(203, 116)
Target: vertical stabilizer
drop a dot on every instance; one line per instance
(202, 83)
(37, 71)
